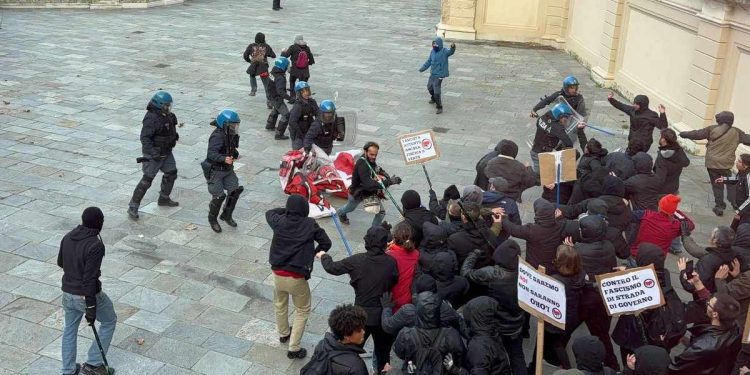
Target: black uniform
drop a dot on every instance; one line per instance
(158, 138)
(220, 176)
(575, 101)
(276, 94)
(301, 118)
(323, 134)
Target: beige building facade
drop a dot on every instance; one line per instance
(691, 55)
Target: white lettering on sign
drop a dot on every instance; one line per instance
(630, 291)
(418, 147)
(541, 295)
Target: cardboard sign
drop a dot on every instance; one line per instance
(541, 295)
(630, 291)
(548, 162)
(418, 148)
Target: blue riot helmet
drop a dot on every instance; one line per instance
(281, 63)
(229, 119)
(568, 82)
(561, 110)
(328, 111)
(162, 100)
(302, 88)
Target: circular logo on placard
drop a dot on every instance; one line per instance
(649, 283)
(426, 144)
(556, 313)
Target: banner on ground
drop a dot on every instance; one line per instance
(630, 291)
(419, 147)
(541, 295)
(549, 162)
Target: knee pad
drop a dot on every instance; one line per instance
(236, 192)
(172, 175)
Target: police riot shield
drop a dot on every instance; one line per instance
(571, 128)
(346, 128)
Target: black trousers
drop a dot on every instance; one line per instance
(718, 189)
(555, 352)
(382, 343)
(276, 4)
(592, 312)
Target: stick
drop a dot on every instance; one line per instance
(557, 182)
(607, 132)
(539, 338)
(101, 350)
(336, 221)
(427, 176)
(382, 185)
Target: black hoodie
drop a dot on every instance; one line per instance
(371, 273)
(543, 236)
(344, 359)
(642, 121)
(258, 67)
(428, 333)
(435, 241)
(644, 189)
(450, 286)
(80, 257)
(416, 215)
(597, 253)
(589, 353)
(485, 352)
(294, 236)
(670, 160)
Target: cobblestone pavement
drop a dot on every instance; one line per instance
(74, 86)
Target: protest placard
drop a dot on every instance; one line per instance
(630, 291)
(541, 295)
(549, 162)
(419, 147)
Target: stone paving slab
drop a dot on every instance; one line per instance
(70, 135)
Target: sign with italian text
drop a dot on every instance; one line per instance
(630, 291)
(419, 147)
(541, 295)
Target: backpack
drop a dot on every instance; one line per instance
(302, 60)
(259, 54)
(428, 360)
(320, 363)
(667, 321)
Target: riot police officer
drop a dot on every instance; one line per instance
(302, 115)
(574, 98)
(276, 94)
(158, 138)
(551, 132)
(326, 129)
(218, 168)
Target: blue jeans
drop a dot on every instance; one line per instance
(75, 308)
(352, 203)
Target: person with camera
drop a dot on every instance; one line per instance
(368, 181)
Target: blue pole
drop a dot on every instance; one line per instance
(607, 132)
(336, 221)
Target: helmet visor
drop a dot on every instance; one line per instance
(328, 116)
(234, 127)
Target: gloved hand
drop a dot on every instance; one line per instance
(448, 361)
(433, 193)
(386, 300)
(685, 228)
(90, 310)
(386, 225)
(395, 180)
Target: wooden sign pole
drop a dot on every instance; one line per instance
(539, 337)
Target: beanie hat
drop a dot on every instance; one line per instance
(668, 203)
(410, 200)
(508, 148)
(500, 184)
(472, 193)
(451, 192)
(725, 117)
(93, 218)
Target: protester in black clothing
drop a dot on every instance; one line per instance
(407, 314)
(643, 190)
(440, 207)
(519, 176)
(485, 352)
(642, 119)
(610, 206)
(428, 335)
(339, 351)
(741, 183)
(542, 236)
(670, 161)
(257, 55)
(647, 360)
(434, 242)
(472, 235)
(719, 252)
(301, 58)
(291, 257)
(481, 178)
(415, 215)
(371, 274)
(597, 257)
(590, 172)
(621, 162)
(501, 283)
(451, 287)
(590, 352)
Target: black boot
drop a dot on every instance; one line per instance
(234, 196)
(271, 121)
(281, 130)
(213, 212)
(167, 202)
(138, 193)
